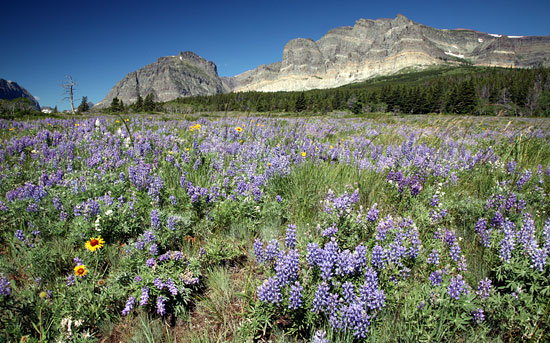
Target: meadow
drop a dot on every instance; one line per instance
(143, 228)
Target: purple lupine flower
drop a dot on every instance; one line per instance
(332, 309)
(378, 259)
(70, 280)
(526, 176)
(330, 231)
(331, 251)
(508, 242)
(484, 289)
(259, 251)
(20, 235)
(129, 305)
(158, 283)
(546, 235)
(155, 220)
(314, 254)
(376, 300)
(173, 200)
(435, 200)
(383, 227)
(345, 263)
(269, 291)
(436, 277)
(450, 237)
(138, 279)
(326, 269)
(478, 315)
(290, 239)
(149, 236)
(462, 266)
(354, 317)
(434, 257)
(498, 220)
(151, 262)
(511, 167)
(526, 235)
(360, 256)
(287, 267)
(348, 292)
(140, 244)
(372, 214)
(455, 252)
(171, 286)
(77, 260)
(144, 296)
(320, 301)
(481, 229)
(457, 287)
(164, 257)
(320, 337)
(278, 198)
(172, 221)
(295, 297)
(538, 258)
(272, 250)
(160, 305)
(5, 289)
(153, 249)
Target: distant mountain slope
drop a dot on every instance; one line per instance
(344, 55)
(11, 90)
(386, 46)
(168, 78)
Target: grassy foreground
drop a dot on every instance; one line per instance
(242, 229)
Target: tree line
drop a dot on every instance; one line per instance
(459, 90)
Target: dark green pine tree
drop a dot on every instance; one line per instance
(149, 103)
(83, 107)
(115, 105)
(300, 104)
(467, 98)
(138, 106)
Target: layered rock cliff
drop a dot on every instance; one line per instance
(344, 55)
(385, 46)
(11, 90)
(167, 79)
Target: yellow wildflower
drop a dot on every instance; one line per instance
(95, 243)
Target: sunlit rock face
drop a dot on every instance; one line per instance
(344, 55)
(385, 46)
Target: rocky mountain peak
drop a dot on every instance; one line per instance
(344, 55)
(11, 90)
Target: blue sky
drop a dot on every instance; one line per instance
(99, 42)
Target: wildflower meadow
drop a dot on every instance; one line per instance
(146, 228)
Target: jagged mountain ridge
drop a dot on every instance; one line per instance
(11, 90)
(344, 55)
(168, 78)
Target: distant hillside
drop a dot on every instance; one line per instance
(344, 55)
(462, 89)
(10, 90)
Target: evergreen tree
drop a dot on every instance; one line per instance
(138, 106)
(357, 107)
(149, 103)
(300, 104)
(116, 105)
(83, 107)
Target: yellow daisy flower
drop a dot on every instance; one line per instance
(80, 270)
(239, 129)
(304, 154)
(95, 243)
